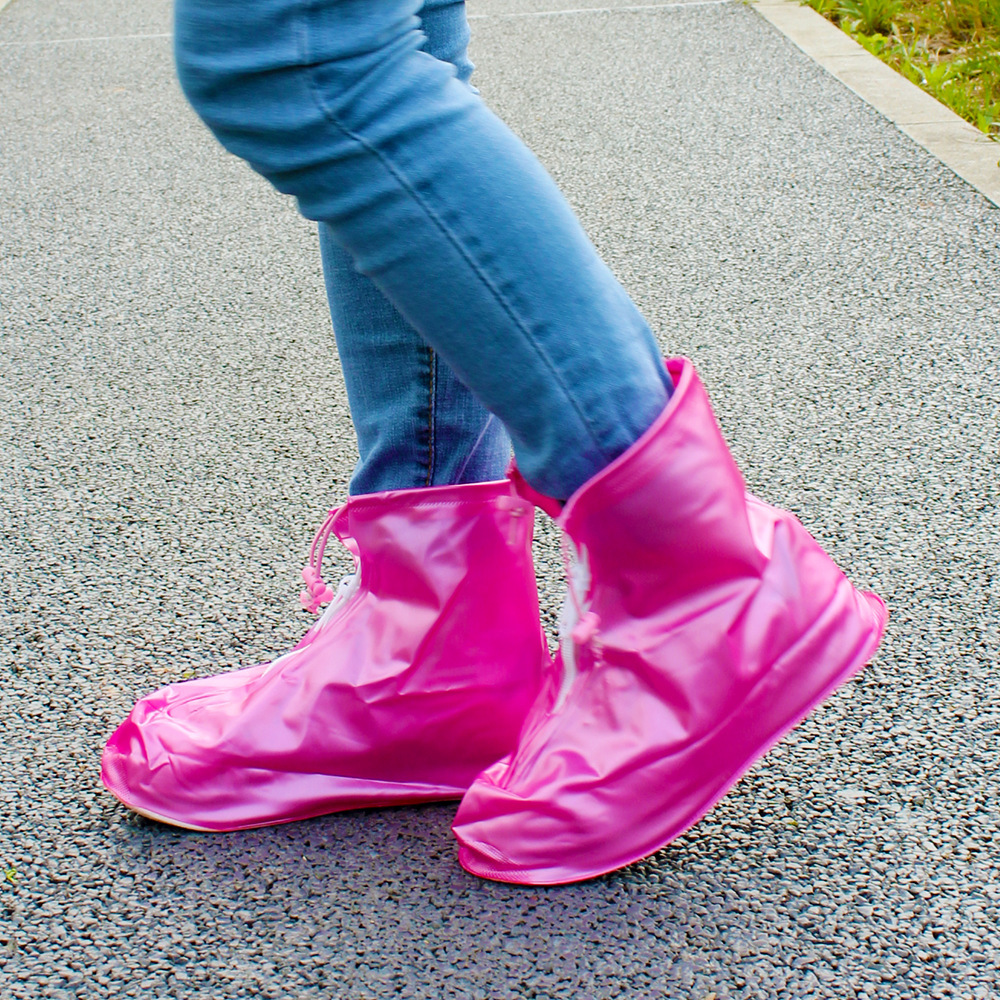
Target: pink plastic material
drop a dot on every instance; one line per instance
(713, 623)
(417, 678)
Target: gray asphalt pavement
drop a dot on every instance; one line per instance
(173, 426)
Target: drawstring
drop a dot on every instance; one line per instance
(349, 586)
(317, 592)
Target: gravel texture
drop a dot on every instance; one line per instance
(174, 425)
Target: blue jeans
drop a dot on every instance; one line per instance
(416, 423)
(424, 192)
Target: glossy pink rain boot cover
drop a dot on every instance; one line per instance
(708, 624)
(416, 678)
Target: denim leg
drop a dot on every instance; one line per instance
(416, 423)
(441, 206)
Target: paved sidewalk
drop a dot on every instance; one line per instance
(960, 145)
(174, 427)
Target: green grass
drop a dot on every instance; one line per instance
(950, 48)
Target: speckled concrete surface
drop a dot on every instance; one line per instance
(174, 425)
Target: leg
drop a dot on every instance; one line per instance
(702, 625)
(419, 673)
(416, 423)
(708, 623)
(441, 206)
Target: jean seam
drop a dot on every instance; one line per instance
(432, 363)
(446, 231)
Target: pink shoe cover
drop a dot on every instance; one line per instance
(417, 677)
(707, 625)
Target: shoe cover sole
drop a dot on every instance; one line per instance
(412, 800)
(167, 821)
(476, 864)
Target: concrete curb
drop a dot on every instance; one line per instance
(955, 142)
